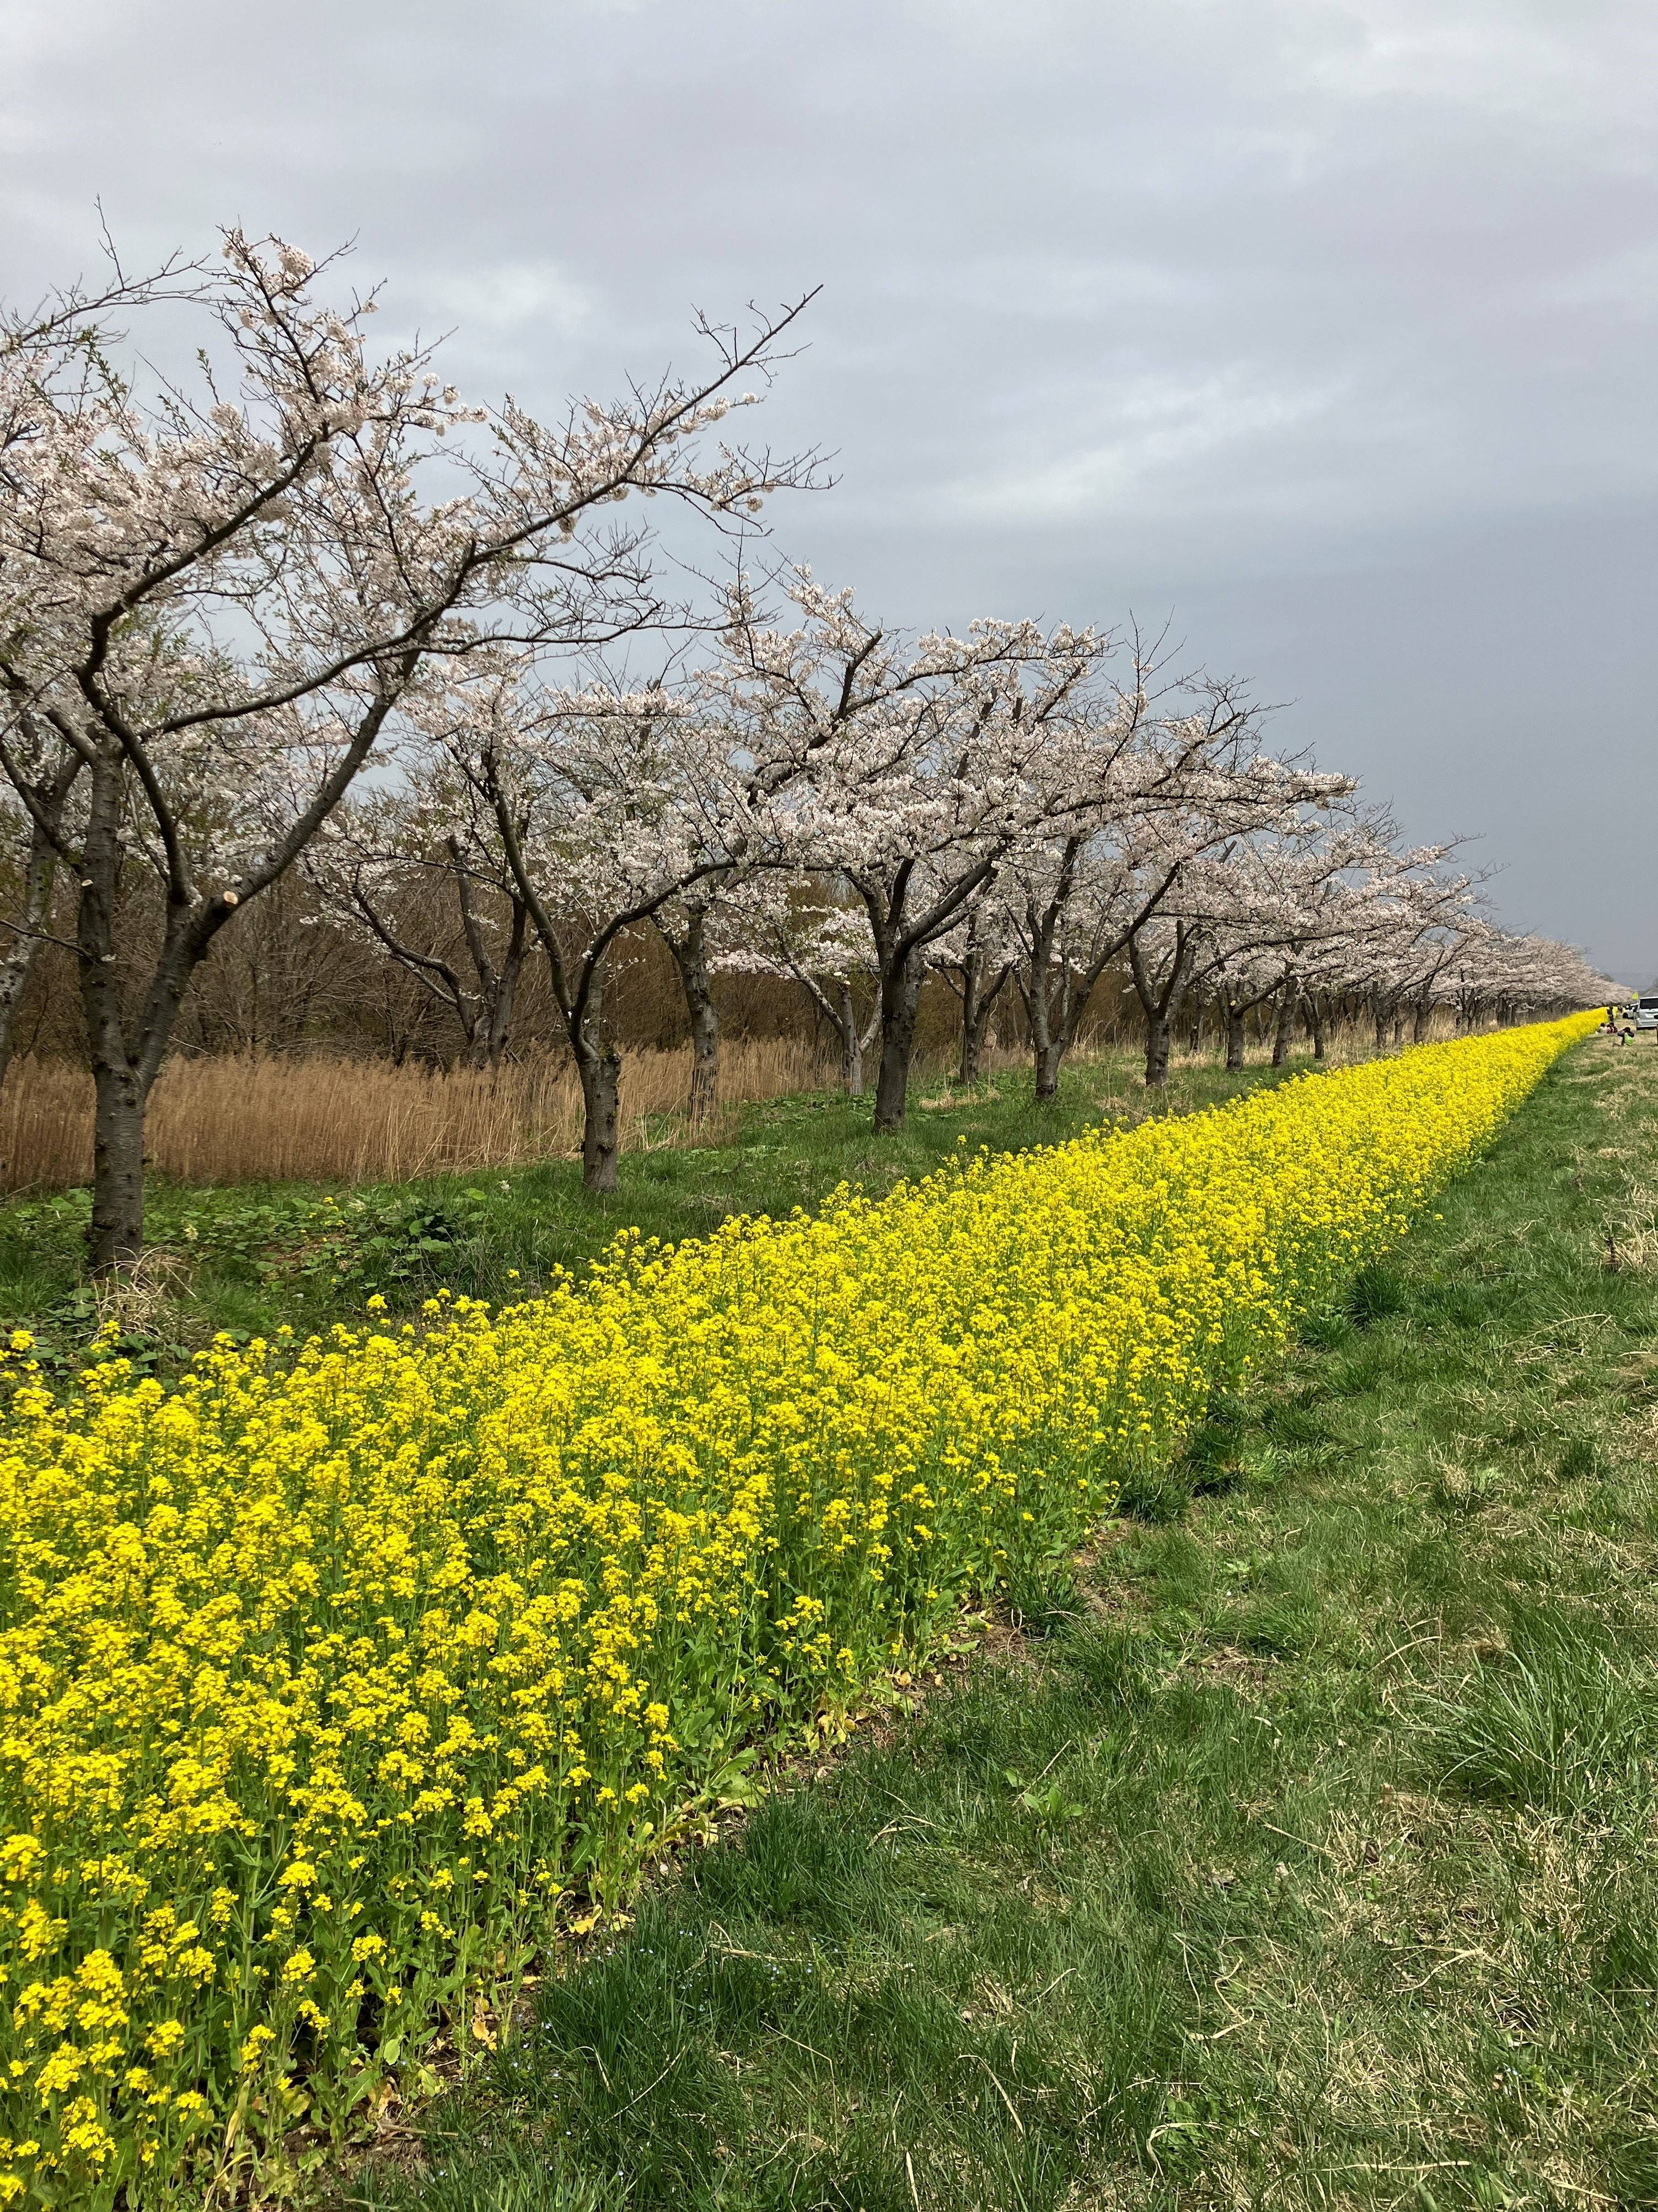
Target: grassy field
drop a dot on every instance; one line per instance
(249, 1257)
(1300, 1847)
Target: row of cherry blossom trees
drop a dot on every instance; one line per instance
(304, 613)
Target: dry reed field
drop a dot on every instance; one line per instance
(245, 1118)
(217, 1121)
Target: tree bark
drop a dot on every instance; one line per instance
(978, 1004)
(1233, 1040)
(901, 995)
(122, 1078)
(1157, 1052)
(971, 1065)
(1162, 1008)
(487, 1027)
(689, 946)
(1286, 1014)
(117, 1188)
(600, 1069)
(852, 1043)
(22, 948)
(705, 1054)
(506, 995)
(116, 1235)
(1315, 1023)
(1047, 1017)
(1050, 1058)
(16, 968)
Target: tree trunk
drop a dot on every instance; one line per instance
(1048, 1005)
(1419, 1023)
(506, 993)
(901, 994)
(1157, 1052)
(1234, 1041)
(967, 1070)
(600, 1071)
(978, 988)
(16, 968)
(705, 1057)
(1286, 1014)
(852, 1044)
(705, 1036)
(501, 1022)
(118, 1174)
(17, 964)
(972, 1046)
(690, 957)
(1047, 1049)
(487, 1029)
(978, 1004)
(1380, 1028)
(23, 950)
(116, 1235)
(1315, 1023)
(1162, 1008)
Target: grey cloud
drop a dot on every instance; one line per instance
(1327, 324)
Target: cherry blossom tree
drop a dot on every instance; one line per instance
(1371, 901)
(683, 923)
(1307, 901)
(1219, 901)
(784, 924)
(906, 771)
(224, 598)
(410, 869)
(977, 960)
(609, 808)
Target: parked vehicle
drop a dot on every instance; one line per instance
(1646, 1011)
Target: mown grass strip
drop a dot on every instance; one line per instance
(1306, 1858)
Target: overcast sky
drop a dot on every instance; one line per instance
(1327, 327)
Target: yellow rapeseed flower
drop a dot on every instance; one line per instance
(327, 1675)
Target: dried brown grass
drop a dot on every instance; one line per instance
(282, 1119)
(247, 1119)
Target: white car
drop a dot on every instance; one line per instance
(1646, 1013)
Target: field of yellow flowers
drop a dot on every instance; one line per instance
(333, 1676)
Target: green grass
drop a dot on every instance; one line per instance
(1301, 1851)
(250, 1257)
